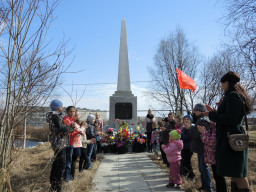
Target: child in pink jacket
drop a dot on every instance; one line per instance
(173, 153)
(209, 140)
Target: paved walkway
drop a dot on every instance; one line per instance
(130, 172)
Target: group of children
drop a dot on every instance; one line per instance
(179, 138)
(71, 138)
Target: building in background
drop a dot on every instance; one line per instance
(38, 117)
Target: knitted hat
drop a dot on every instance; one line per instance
(189, 117)
(175, 134)
(90, 117)
(55, 104)
(232, 77)
(200, 107)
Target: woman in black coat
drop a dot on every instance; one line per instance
(149, 120)
(228, 118)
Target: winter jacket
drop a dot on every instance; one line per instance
(228, 117)
(180, 127)
(85, 141)
(73, 136)
(186, 137)
(173, 150)
(171, 125)
(148, 124)
(165, 135)
(58, 131)
(196, 144)
(154, 137)
(209, 140)
(90, 131)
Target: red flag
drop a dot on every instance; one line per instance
(185, 81)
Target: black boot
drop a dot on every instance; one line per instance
(234, 187)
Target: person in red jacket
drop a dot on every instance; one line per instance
(69, 119)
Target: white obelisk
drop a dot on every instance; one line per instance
(123, 83)
(123, 104)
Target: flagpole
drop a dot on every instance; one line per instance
(184, 99)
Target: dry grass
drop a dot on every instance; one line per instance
(83, 181)
(252, 135)
(31, 168)
(27, 170)
(190, 186)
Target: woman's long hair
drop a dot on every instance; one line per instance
(248, 102)
(233, 80)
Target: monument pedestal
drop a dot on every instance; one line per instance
(123, 106)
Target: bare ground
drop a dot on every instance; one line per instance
(190, 186)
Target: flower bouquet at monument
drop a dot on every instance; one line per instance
(106, 142)
(122, 125)
(139, 143)
(122, 141)
(110, 131)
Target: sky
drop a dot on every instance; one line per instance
(93, 28)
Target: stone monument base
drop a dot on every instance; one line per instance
(123, 106)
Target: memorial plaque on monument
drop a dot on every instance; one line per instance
(123, 111)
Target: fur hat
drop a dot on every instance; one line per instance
(189, 117)
(175, 134)
(200, 107)
(231, 77)
(55, 104)
(90, 117)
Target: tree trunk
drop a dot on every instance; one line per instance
(25, 132)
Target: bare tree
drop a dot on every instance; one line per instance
(74, 98)
(29, 69)
(240, 24)
(173, 52)
(220, 63)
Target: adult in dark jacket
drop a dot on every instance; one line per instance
(90, 133)
(228, 118)
(171, 121)
(164, 138)
(149, 120)
(197, 146)
(186, 154)
(59, 139)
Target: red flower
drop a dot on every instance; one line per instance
(115, 119)
(132, 124)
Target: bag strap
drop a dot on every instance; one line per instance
(245, 118)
